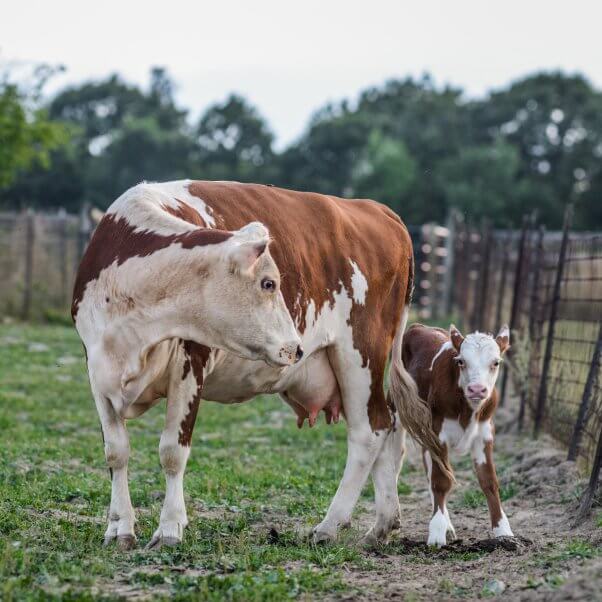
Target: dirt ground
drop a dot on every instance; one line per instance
(549, 559)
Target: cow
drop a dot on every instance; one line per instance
(457, 375)
(161, 309)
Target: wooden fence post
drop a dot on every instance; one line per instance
(85, 228)
(518, 275)
(586, 399)
(62, 231)
(450, 262)
(481, 294)
(533, 312)
(29, 256)
(503, 278)
(547, 359)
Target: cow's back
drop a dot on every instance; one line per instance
(420, 346)
(320, 242)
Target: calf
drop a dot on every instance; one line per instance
(457, 375)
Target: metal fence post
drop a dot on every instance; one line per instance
(518, 275)
(85, 228)
(29, 252)
(547, 359)
(588, 496)
(586, 399)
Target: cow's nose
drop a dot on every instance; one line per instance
(477, 391)
(299, 353)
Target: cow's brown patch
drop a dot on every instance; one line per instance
(187, 213)
(196, 358)
(116, 241)
(314, 238)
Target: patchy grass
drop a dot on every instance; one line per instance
(475, 498)
(250, 471)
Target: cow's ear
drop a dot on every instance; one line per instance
(503, 339)
(245, 254)
(249, 244)
(456, 337)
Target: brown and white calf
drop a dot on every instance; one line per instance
(457, 375)
(169, 303)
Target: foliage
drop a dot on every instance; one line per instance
(27, 136)
(420, 148)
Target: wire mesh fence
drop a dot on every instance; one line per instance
(548, 287)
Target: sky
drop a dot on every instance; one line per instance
(290, 58)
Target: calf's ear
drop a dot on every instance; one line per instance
(503, 339)
(456, 337)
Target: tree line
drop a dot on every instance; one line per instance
(420, 148)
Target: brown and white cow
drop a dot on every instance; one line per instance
(169, 304)
(457, 375)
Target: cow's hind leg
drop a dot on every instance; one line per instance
(117, 451)
(363, 442)
(385, 474)
(183, 398)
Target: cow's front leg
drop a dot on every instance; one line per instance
(363, 444)
(183, 398)
(482, 454)
(385, 474)
(117, 451)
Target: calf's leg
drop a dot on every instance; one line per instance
(482, 454)
(441, 485)
(117, 451)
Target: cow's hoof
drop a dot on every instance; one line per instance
(126, 542)
(374, 538)
(321, 536)
(158, 541)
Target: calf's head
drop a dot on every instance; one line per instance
(248, 314)
(478, 359)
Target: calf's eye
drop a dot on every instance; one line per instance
(461, 363)
(268, 285)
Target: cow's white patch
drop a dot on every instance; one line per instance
(503, 527)
(143, 207)
(447, 345)
(359, 284)
(437, 529)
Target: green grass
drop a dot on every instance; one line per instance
(475, 498)
(250, 469)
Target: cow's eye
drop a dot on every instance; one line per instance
(268, 285)
(461, 363)
(495, 364)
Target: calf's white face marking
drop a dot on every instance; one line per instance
(479, 358)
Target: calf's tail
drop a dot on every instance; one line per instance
(414, 414)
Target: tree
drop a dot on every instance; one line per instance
(27, 135)
(234, 142)
(385, 171)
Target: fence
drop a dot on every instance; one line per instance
(548, 287)
(39, 254)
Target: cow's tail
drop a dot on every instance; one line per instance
(414, 414)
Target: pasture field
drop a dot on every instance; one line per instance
(255, 485)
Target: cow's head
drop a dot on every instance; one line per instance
(247, 314)
(478, 358)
